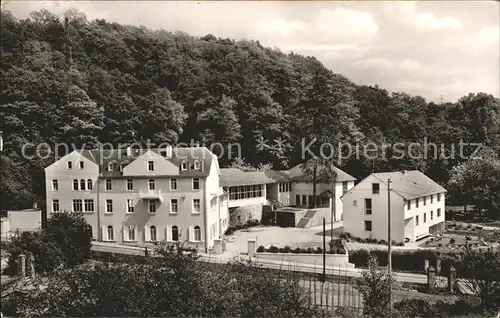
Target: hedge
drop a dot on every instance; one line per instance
(411, 261)
(335, 247)
(349, 237)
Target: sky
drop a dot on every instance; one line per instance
(441, 50)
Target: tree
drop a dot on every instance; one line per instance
(66, 242)
(375, 286)
(480, 180)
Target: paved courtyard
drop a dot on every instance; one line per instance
(279, 236)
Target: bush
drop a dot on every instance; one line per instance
(66, 241)
(261, 249)
(417, 308)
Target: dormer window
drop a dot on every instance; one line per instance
(196, 165)
(110, 166)
(151, 166)
(184, 166)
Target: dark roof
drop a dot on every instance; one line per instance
(118, 157)
(231, 177)
(326, 194)
(410, 184)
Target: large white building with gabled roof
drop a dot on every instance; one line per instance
(417, 206)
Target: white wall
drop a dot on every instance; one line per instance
(354, 216)
(59, 170)
(422, 228)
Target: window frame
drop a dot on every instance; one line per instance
(130, 184)
(196, 202)
(172, 182)
(55, 185)
(54, 203)
(109, 206)
(196, 181)
(151, 165)
(172, 204)
(153, 183)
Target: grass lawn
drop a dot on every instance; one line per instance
(450, 240)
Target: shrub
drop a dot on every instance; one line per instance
(382, 242)
(261, 249)
(286, 249)
(318, 250)
(417, 308)
(273, 249)
(297, 250)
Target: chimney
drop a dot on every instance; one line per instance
(35, 205)
(129, 151)
(169, 152)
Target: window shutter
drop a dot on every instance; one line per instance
(168, 233)
(104, 233)
(190, 234)
(124, 234)
(136, 233)
(147, 234)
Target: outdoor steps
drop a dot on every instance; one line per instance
(305, 219)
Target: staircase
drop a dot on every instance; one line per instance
(305, 219)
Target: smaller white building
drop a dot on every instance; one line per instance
(417, 206)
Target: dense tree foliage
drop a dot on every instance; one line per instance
(65, 242)
(173, 284)
(84, 82)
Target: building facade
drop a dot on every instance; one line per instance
(137, 197)
(250, 191)
(417, 206)
(27, 220)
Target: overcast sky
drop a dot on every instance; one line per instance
(426, 48)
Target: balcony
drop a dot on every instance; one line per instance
(150, 195)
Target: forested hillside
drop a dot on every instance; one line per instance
(87, 82)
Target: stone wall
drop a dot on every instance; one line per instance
(242, 214)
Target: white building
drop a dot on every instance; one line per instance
(417, 207)
(28, 220)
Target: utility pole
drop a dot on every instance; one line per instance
(389, 243)
(324, 250)
(334, 201)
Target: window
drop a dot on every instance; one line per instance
(109, 206)
(196, 165)
(425, 217)
(285, 187)
(174, 207)
(130, 206)
(151, 184)
(89, 205)
(75, 185)
(432, 198)
(55, 205)
(70, 165)
(110, 166)
(184, 166)
(416, 202)
(368, 226)
(354, 202)
(122, 165)
(151, 166)
(130, 184)
(173, 184)
(432, 215)
(246, 192)
(82, 165)
(175, 233)
(408, 203)
(55, 185)
(196, 206)
(297, 199)
(152, 233)
(368, 206)
(108, 184)
(89, 184)
(439, 197)
(196, 184)
(197, 233)
(438, 212)
(131, 233)
(416, 220)
(375, 188)
(344, 187)
(111, 234)
(425, 200)
(304, 199)
(152, 206)
(82, 185)
(77, 205)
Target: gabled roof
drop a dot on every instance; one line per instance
(297, 174)
(231, 177)
(118, 157)
(236, 177)
(410, 184)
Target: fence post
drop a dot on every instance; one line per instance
(431, 278)
(21, 265)
(30, 264)
(452, 278)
